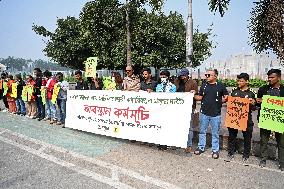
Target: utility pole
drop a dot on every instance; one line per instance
(189, 37)
(128, 35)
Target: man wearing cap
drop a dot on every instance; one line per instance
(185, 84)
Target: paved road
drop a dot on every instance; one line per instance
(38, 155)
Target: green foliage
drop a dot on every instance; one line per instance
(219, 5)
(253, 83)
(158, 40)
(267, 27)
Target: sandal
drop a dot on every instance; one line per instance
(215, 155)
(198, 151)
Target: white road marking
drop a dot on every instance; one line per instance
(116, 170)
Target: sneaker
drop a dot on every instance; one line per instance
(245, 160)
(230, 157)
(262, 163)
(58, 123)
(215, 155)
(198, 151)
(28, 116)
(52, 121)
(5, 110)
(281, 168)
(46, 119)
(40, 118)
(188, 149)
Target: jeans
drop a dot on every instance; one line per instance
(21, 107)
(247, 140)
(50, 109)
(190, 132)
(40, 107)
(215, 123)
(61, 114)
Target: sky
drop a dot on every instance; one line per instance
(19, 40)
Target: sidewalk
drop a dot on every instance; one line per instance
(224, 134)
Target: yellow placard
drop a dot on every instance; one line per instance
(14, 90)
(55, 93)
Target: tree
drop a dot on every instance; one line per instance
(131, 7)
(267, 27)
(66, 45)
(157, 40)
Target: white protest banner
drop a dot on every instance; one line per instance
(160, 118)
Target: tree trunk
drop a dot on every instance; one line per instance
(128, 35)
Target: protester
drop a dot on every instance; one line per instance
(116, 77)
(4, 97)
(274, 88)
(31, 104)
(212, 94)
(39, 82)
(242, 91)
(148, 84)
(21, 107)
(131, 82)
(11, 100)
(185, 84)
(49, 106)
(95, 83)
(61, 98)
(165, 86)
(81, 84)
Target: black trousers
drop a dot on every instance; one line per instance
(264, 138)
(247, 140)
(5, 102)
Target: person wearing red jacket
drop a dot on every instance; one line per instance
(31, 104)
(50, 108)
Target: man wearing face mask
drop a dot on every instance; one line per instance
(165, 85)
(148, 84)
(186, 84)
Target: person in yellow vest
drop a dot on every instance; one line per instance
(11, 100)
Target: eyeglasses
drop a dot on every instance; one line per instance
(208, 75)
(128, 70)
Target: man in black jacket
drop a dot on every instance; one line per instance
(273, 89)
(40, 107)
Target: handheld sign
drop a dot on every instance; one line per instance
(5, 87)
(55, 93)
(237, 113)
(272, 114)
(30, 90)
(14, 90)
(25, 93)
(43, 94)
(91, 67)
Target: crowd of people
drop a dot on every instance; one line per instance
(212, 95)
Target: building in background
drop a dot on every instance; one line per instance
(256, 65)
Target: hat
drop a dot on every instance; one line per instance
(183, 72)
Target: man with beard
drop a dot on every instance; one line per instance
(148, 84)
(274, 88)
